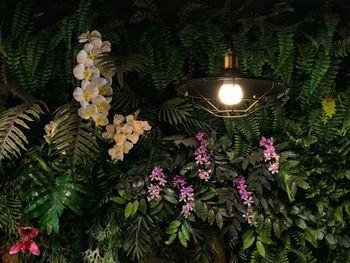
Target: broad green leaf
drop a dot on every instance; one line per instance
(261, 248)
(128, 210)
(171, 239)
(118, 200)
(135, 206)
(219, 220)
(248, 239)
(182, 238)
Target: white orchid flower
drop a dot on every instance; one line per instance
(104, 46)
(101, 104)
(130, 119)
(145, 125)
(86, 93)
(104, 86)
(86, 72)
(88, 54)
(87, 112)
(100, 119)
(89, 36)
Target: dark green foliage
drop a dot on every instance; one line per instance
(90, 209)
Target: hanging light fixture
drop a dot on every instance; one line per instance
(231, 94)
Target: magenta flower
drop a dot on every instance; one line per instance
(154, 191)
(202, 157)
(179, 181)
(27, 243)
(241, 185)
(187, 208)
(186, 194)
(270, 154)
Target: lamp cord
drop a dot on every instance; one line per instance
(230, 37)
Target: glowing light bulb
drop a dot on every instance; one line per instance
(230, 93)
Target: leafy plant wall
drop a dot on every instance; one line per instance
(90, 209)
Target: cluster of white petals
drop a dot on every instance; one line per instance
(125, 132)
(94, 94)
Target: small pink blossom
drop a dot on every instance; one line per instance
(273, 168)
(204, 175)
(154, 191)
(186, 209)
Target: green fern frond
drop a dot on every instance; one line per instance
(175, 111)
(10, 214)
(12, 139)
(71, 137)
(15, 88)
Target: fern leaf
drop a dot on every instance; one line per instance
(72, 138)
(12, 138)
(175, 111)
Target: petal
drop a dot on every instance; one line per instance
(99, 82)
(95, 34)
(83, 103)
(92, 91)
(82, 57)
(25, 231)
(78, 71)
(88, 48)
(34, 232)
(106, 46)
(96, 43)
(98, 99)
(85, 84)
(34, 249)
(78, 94)
(15, 248)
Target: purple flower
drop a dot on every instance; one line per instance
(186, 209)
(179, 181)
(270, 154)
(154, 191)
(157, 174)
(241, 185)
(186, 194)
(202, 157)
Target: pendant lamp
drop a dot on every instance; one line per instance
(231, 94)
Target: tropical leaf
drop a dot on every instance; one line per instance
(71, 137)
(12, 138)
(175, 111)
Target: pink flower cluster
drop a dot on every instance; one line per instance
(270, 154)
(159, 180)
(247, 198)
(241, 185)
(202, 157)
(186, 195)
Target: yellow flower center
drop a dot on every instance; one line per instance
(89, 113)
(103, 89)
(91, 56)
(86, 96)
(87, 74)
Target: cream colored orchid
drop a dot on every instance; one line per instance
(134, 137)
(127, 147)
(86, 93)
(129, 119)
(118, 119)
(88, 54)
(109, 133)
(145, 126)
(137, 127)
(87, 112)
(104, 46)
(116, 153)
(101, 104)
(100, 119)
(94, 35)
(127, 129)
(86, 72)
(120, 139)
